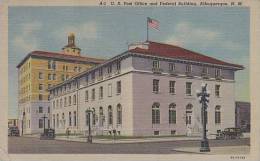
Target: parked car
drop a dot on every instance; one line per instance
(13, 131)
(229, 133)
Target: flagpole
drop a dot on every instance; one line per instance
(147, 29)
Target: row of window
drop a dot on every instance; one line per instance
(172, 68)
(60, 122)
(156, 87)
(172, 114)
(59, 103)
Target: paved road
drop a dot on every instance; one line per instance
(28, 145)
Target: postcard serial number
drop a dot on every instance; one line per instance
(237, 157)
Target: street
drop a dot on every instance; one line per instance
(31, 145)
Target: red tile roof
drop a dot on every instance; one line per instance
(171, 51)
(61, 56)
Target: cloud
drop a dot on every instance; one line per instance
(85, 31)
(26, 40)
(186, 34)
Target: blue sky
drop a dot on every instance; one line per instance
(222, 33)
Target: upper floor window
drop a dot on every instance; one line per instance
(188, 88)
(86, 79)
(40, 87)
(109, 90)
(155, 85)
(205, 70)
(49, 76)
(100, 92)
(156, 64)
(100, 72)
(65, 101)
(118, 87)
(74, 99)
(40, 75)
(86, 96)
(118, 65)
(40, 97)
(69, 100)
(217, 73)
(171, 67)
(172, 87)
(93, 76)
(54, 76)
(49, 64)
(70, 121)
(40, 109)
(62, 77)
(93, 94)
(188, 68)
(109, 69)
(217, 90)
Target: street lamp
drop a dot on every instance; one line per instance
(203, 99)
(89, 126)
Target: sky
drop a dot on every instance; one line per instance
(104, 32)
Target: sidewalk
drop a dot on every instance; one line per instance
(216, 150)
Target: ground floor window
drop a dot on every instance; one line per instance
(110, 115)
(156, 113)
(40, 123)
(156, 132)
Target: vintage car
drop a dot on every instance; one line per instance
(229, 133)
(13, 131)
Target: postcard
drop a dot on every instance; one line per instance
(129, 80)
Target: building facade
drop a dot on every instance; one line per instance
(242, 113)
(37, 72)
(147, 90)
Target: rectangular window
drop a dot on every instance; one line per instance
(110, 90)
(172, 117)
(54, 76)
(69, 100)
(40, 123)
(118, 66)
(217, 117)
(70, 121)
(74, 99)
(40, 109)
(109, 69)
(40, 75)
(100, 72)
(171, 67)
(217, 90)
(93, 77)
(217, 73)
(205, 70)
(40, 97)
(156, 64)
(40, 87)
(155, 85)
(49, 64)
(188, 68)
(101, 92)
(93, 94)
(62, 77)
(49, 76)
(118, 87)
(75, 118)
(49, 110)
(188, 88)
(156, 133)
(86, 96)
(172, 87)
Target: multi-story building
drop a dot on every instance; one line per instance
(40, 70)
(147, 90)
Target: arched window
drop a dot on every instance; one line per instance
(172, 113)
(217, 114)
(188, 113)
(101, 117)
(110, 115)
(119, 114)
(156, 113)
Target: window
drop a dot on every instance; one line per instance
(94, 117)
(93, 94)
(61, 103)
(93, 77)
(110, 115)
(69, 100)
(217, 90)
(53, 118)
(49, 110)
(75, 118)
(62, 77)
(205, 70)
(54, 76)
(54, 65)
(86, 79)
(172, 113)
(118, 87)
(100, 72)
(101, 92)
(119, 114)
(57, 103)
(70, 119)
(109, 69)
(156, 113)
(74, 99)
(155, 85)
(188, 114)
(49, 64)
(40, 109)
(40, 123)
(53, 104)
(87, 115)
(63, 68)
(40, 97)
(67, 68)
(188, 88)
(188, 68)
(40, 87)
(110, 90)
(75, 69)
(171, 67)
(156, 132)
(172, 87)
(118, 65)
(49, 86)
(156, 64)
(101, 117)
(217, 115)
(86, 96)
(58, 122)
(65, 101)
(217, 73)
(40, 75)
(49, 76)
